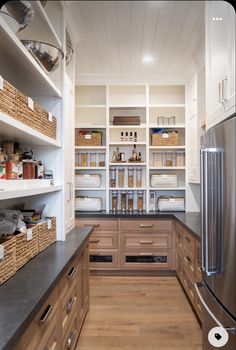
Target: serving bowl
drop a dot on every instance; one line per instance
(17, 14)
(47, 55)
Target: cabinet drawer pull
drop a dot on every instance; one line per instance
(145, 225)
(94, 241)
(146, 242)
(45, 314)
(188, 260)
(70, 303)
(72, 273)
(145, 254)
(94, 226)
(70, 340)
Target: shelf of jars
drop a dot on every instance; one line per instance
(127, 201)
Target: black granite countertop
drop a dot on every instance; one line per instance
(190, 220)
(23, 294)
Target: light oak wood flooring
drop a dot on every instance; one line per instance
(139, 313)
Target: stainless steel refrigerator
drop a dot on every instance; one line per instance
(217, 292)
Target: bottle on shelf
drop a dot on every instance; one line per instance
(123, 201)
(139, 157)
(131, 136)
(117, 154)
(130, 202)
(126, 136)
(134, 155)
(135, 136)
(122, 136)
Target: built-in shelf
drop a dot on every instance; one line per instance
(167, 105)
(23, 65)
(90, 168)
(167, 126)
(167, 189)
(12, 129)
(90, 189)
(141, 126)
(127, 188)
(166, 147)
(167, 168)
(127, 164)
(25, 192)
(90, 106)
(90, 147)
(127, 143)
(127, 106)
(90, 126)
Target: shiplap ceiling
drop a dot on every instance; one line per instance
(112, 36)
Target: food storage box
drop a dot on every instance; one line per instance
(88, 138)
(164, 180)
(87, 180)
(165, 139)
(170, 204)
(88, 204)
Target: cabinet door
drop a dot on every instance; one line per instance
(69, 154)
(230, 87)
(216, 57)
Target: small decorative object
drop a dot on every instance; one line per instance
(17, 14)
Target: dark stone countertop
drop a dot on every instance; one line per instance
(190, 220)
(23, 294)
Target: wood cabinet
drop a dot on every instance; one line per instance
(220, 61)
(188, 267)
(58, 322)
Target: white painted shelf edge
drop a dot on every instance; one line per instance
(9, 194)
(167, 168)
(141, 126)
(90, 147)
(167, 189)
(166, 147)
(90, 189)
(25, 133)
(89, 126)
(90, 168)
(90, 106)
(167, 126)
(124, 143)
(127, 164)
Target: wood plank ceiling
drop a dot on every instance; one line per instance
(112, 36)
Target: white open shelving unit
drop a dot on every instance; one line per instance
(96, 105)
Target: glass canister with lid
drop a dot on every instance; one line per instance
(130, 202)
(121, 177)
(131, 177)
(114, 195)
(140, 201)
(93, 161)
(113, 177)
(139, 177)
(123, 201)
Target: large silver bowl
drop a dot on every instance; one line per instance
(17, 14)
(47, 55)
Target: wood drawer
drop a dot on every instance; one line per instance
(42, 324)
(145, 225)
(147, 241)
(71, 336)
(188, 284)
(188, 263)
(99, 224)
(179, 266)
(103, 240)
(179, 229)
(52, 339)
(103, 259)
(68, 279)
(146, 260)
(69, 306)
(189, 243)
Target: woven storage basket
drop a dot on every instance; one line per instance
(8, 99)
(33, 244)
(36, 118)
(22, 251)
(89, 139)
(8, 262)
(171, 140)
(47, 236)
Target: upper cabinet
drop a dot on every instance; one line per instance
(220, 61)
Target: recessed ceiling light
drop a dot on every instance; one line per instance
(147, 59)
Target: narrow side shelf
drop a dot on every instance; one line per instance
(25, 192)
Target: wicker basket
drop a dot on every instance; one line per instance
(47, 235)
(8, 262)
(161, 140)
(90, 138)
(22, 251)
(7, 98)
(33, 244)
(35, 117)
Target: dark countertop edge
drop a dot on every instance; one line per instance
(155, 215)
(25, 323)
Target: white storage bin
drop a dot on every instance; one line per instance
(88, 204)
(164, 180)
(87, 180)
(170, 204)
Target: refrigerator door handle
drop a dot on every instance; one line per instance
(204, 226)
(197, 286)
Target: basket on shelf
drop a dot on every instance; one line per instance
(34, 116)
(33, 243)
(46, 233)
(165, 139)
(7, 258)
(88, 138)
(7, 98)
(27, 245)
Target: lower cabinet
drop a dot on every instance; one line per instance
(58, 322)
(188, 264)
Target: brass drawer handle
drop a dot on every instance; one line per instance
(146, 242)
(145, 225)
(70, 304)
(70, 340)
(94, 241)
(45, 314)
(72, 273)
(145, 254)
(94, 226)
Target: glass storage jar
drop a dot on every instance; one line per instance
(139, 177)
(93, 157)
(140, 201)
(123, 201)
(158, 159)
(169, 159)
(84, 159)
(112, 177)
(77, 159)
(101, 159)
(152, 205)
(114, 201)
(121, 177)
(130, 201)
(172, 120)
(180, 158)
(131, 177)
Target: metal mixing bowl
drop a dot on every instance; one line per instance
(17, 14)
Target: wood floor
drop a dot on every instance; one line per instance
(139, 313)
